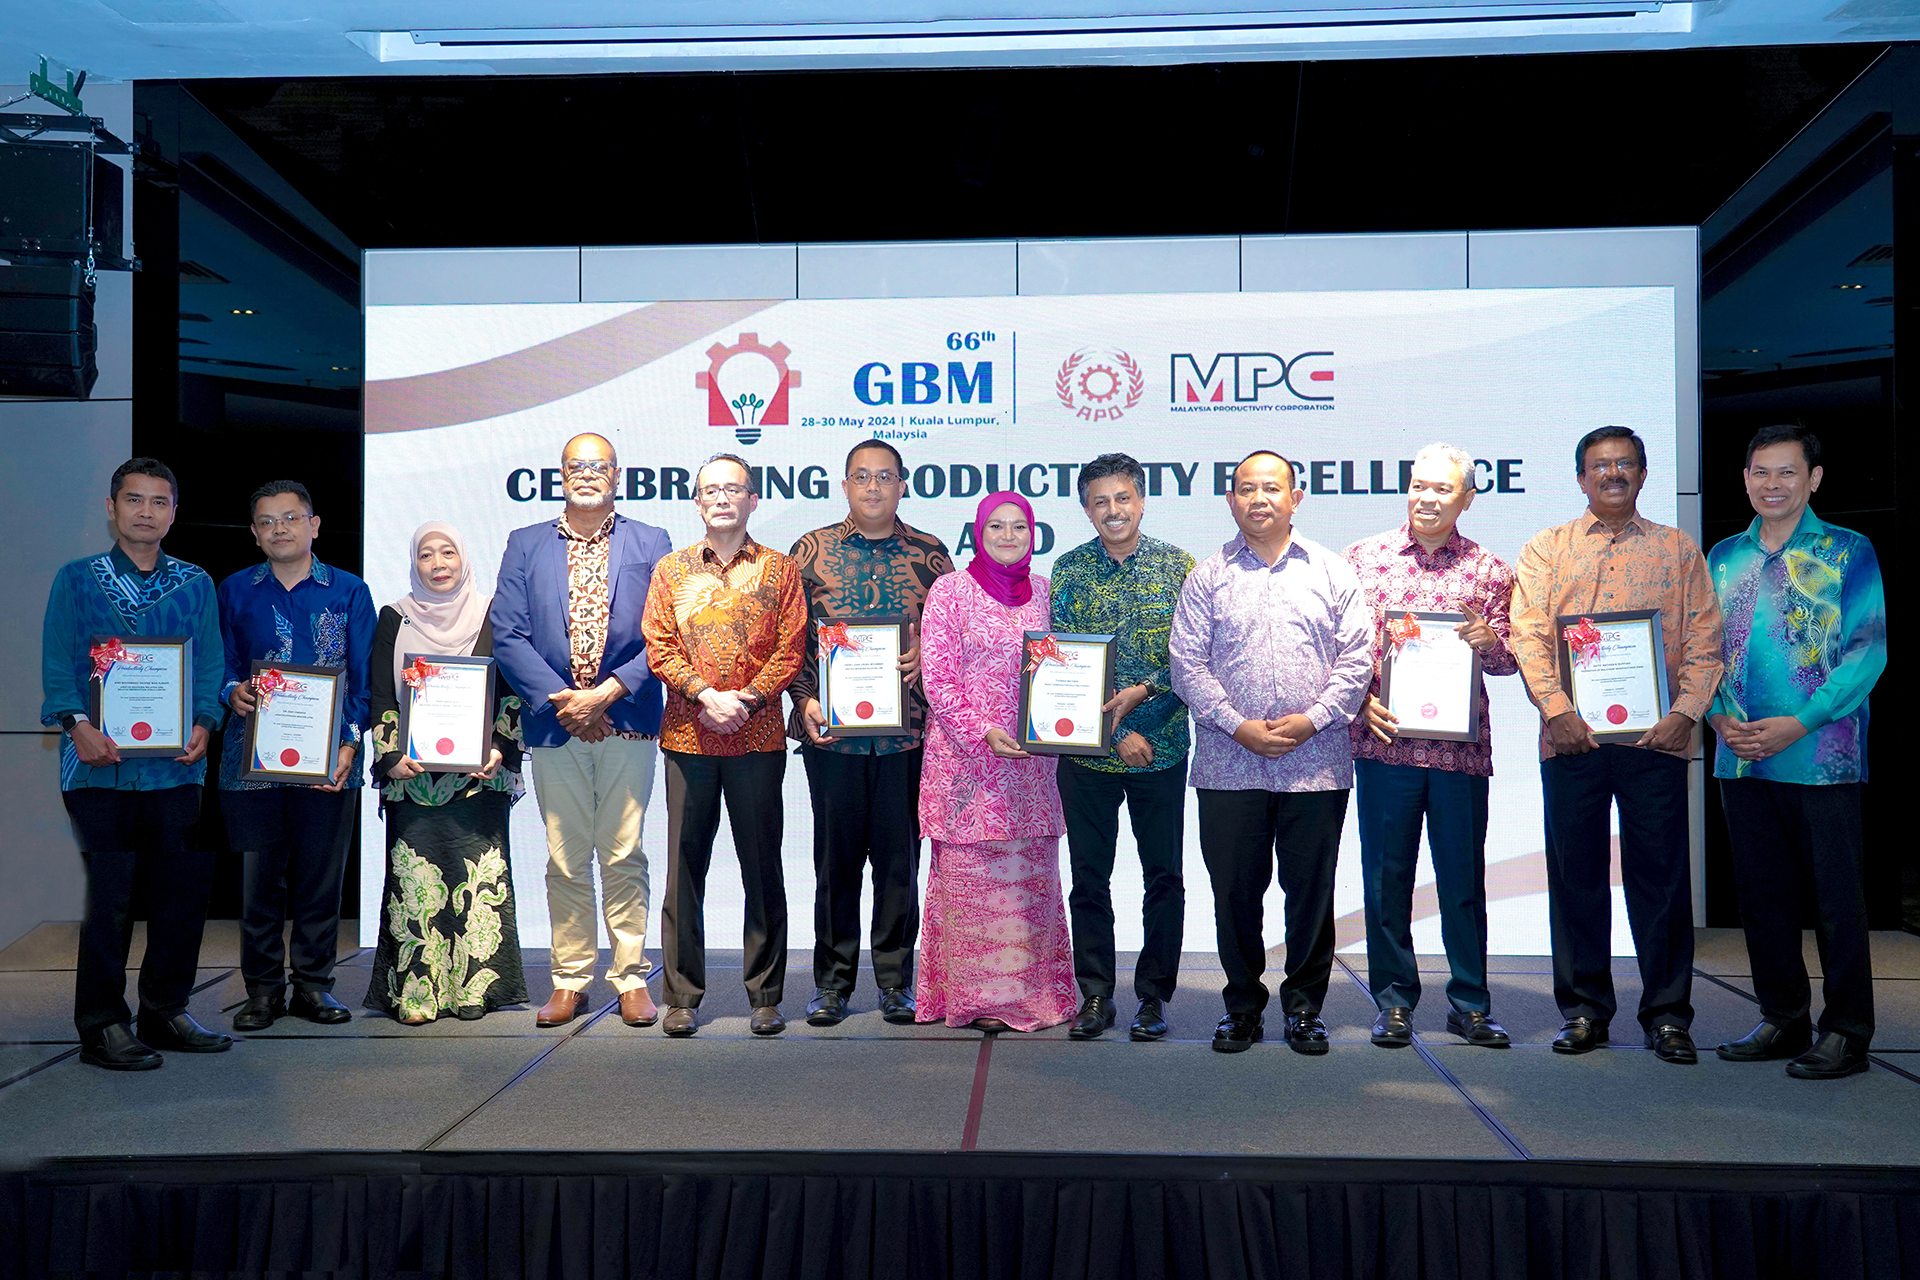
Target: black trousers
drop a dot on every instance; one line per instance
(750, 784)
(146, 838)
(293, 853)
(866, 811)
(1651, 788)
(1243, 834)
(1788, 838)
(1156, 806)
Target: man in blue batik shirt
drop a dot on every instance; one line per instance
(135, 817)
(1806, 638)
(292, 837)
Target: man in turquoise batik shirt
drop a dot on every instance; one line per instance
(135, 816)
(1126, 585)
(1806, 638)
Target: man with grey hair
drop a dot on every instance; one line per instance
(1427, 566)
(566, 633)
(726, 630)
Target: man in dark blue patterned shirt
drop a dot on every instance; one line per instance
(866, 790)
(1125, 584)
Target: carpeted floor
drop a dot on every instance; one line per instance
(597, 1084)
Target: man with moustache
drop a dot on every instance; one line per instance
(866, 790)
(1427, 566)
(1271, 651)
(292, 837)
(135, 816)
(1612, 559)
(1806, 638)
(1126, 585)
(566, 631)
(726, 628)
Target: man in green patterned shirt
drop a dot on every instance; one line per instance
(1125, 584)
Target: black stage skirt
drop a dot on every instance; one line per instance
(448, 941)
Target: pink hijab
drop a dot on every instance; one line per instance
(1010, 584)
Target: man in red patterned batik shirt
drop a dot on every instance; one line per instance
(1426, 565)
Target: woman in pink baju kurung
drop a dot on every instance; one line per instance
(994, 948)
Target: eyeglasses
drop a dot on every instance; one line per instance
(1625, 466)
(267, 524)
(714, 492)
(865, 479)
(581, 466)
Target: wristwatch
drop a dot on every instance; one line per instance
(68, 721)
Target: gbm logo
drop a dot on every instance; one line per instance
(747, 385)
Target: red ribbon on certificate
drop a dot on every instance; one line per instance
(108, 652)
(1401, 630)
(1584, 638)
(272, 681)
(834, 636)
(420, 672)
(1045, 649)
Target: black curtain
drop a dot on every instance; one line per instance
(899, 1217)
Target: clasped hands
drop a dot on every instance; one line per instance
(1274, 738)
(583, 712)
(1758, 739)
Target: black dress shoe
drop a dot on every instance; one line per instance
(826, 1009)
(259, 1013)
(181, 1034)
(1477, 1027)
(320, 1007)
(1393, 1029)
(680, 1022)
(1672, 1044)
(1306, 1033)
(767, 1020)
(117, 1049)
(1580, 1035)
(1150, 1023)
(1767, 1041)
(1095, 1016)
(1238, 1032)
(1831, 1057)
(896, 1006)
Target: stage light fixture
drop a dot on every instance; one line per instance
(1849, 286)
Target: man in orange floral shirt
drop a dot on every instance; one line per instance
(725, 626)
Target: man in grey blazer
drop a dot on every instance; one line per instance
(566, 631)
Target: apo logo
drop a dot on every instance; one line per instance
(1099, 384)
(1248, 379)
(747, 385)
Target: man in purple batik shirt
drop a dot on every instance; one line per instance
(1272, 653)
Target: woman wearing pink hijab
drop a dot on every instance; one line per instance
(448, 940)
(994, 950)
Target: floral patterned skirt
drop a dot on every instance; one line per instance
(993, 939)
(447, 939)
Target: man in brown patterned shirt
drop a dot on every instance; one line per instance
(866, 790)
(566, 613)
(1612, 559)
(725, 626)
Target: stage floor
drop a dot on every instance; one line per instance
(597, 1085)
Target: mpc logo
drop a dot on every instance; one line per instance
(1249, 379)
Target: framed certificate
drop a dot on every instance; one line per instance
(1064, 681)
(1430, 677)
(446, 711)
(1614, 667)
(142, 693)
(861, 692)
(293, 734)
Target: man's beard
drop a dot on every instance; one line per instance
(598, 502)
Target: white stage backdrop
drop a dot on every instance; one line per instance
(468, 406)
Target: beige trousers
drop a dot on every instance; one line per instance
(593, 797)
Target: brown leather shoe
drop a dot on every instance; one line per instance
(563, 1008)
(637, 1008)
